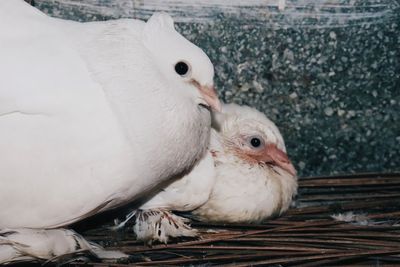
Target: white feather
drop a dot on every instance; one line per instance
(228, 189)
(243, 191)
(90, 117)
(54, 245)
(188, 192)
(354, 218)
(153, 221)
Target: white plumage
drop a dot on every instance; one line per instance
(188, 192)
(153, 219)
(54, 245)
(244, 183)
(93, 115)
(252, 183)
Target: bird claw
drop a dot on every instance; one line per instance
(161, 225)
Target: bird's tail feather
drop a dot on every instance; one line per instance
(51, 245)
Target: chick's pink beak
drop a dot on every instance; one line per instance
(211, 97)
(274, 156)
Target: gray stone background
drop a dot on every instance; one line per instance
(327, 72)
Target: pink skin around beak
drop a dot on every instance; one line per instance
(274, 156)
(209, 95)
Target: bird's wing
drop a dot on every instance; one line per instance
(71, 98)
(54, 122)
(188, 192)
(41, 73)
(154, 221)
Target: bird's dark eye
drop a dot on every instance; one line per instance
(255, 142)
(181, 68)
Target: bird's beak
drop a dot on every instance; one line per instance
(274, 156)
(209, 95)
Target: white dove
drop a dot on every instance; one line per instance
(93, 115)
(249, 180)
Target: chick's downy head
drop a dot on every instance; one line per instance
(181, 62)
(253, 138)
(254, 177)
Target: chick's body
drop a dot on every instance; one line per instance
(246, 188)
(246, 192)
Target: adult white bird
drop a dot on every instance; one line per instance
(250, 179)
(93, 115)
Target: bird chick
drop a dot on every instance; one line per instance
(254, 176)
(250, 178)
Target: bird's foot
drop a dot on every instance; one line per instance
(161, 225)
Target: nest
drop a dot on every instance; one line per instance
(343, 220)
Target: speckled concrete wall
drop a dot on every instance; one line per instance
(327, 73)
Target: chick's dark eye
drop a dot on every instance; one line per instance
(255, 142)
(181, 68)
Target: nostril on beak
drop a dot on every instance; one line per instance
(210, 96)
